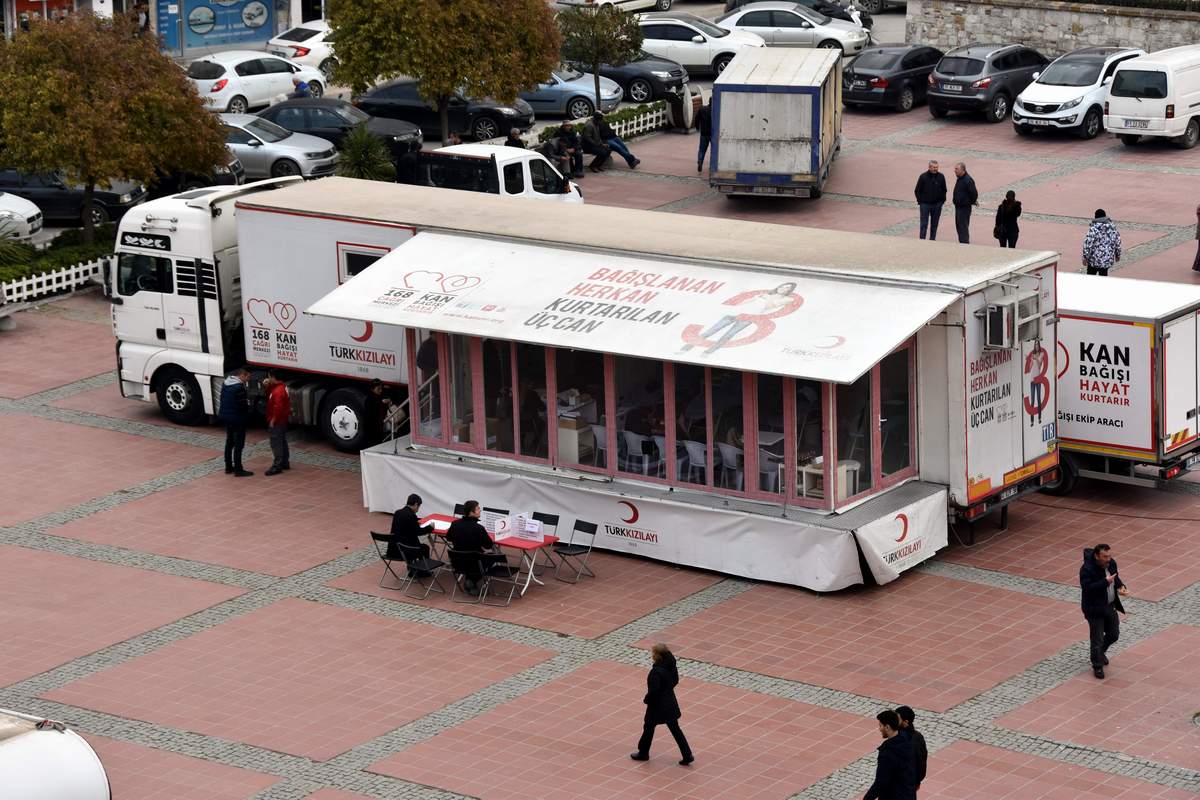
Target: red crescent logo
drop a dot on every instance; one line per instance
(904, 523)
(368, 329)
(1066, 359)
(632, 510)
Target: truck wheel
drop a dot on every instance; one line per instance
(937, 112)
(179, 397)
(344, 420)
(1191, 135)
(1129, 139)
(1068, 476)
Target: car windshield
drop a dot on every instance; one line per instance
(267, 131)
(1139, 83)
(566, 74)
(1071, 73)
(204, 70)
(875, 61)
(351, 114)
(812, 15)
(298, 35)
(957, 65)
(704, 26)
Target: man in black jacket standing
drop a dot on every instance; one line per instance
(1101, 590)
(966, 196)
(234, 411)
(931, 196)
(920, 751)
(894, 769)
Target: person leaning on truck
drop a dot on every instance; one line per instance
(931, 196)
(235, 413)
(1101, 245)
(279, 410)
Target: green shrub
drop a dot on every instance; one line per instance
(19, 260)
(617, 116)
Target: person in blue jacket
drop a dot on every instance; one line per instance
(234, 411)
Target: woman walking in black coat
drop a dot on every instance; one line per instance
(661, 706)
(1007, 229)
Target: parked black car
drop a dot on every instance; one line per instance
(890, 75)
(646, 78)
(228, 174)
(333, 120)
(830, 8)
(982, 77)
(59, 200)
(481, 119)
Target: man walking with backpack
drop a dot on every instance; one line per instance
(235, 413)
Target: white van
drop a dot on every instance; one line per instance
(496, 169)
(1156, 95)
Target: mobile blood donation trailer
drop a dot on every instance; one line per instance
(756, 399)
(1127, 379)
(43, 760)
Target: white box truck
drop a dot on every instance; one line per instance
(776, 122)
(1127, 379)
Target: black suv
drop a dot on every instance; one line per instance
(481, 119)
(982, 77)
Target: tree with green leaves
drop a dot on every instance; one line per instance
(479, 48)
(366, 157)
(94, 100)
(592, 37)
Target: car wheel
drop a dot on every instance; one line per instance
(1093, 123)
(344, 420)
(99, 213)
(238, 105)
(906, 100)
(179, 397)
(1129, 139)
(484, 128)
(721, 62)
(640, 91)
(579, 107)
(998, 109)
(830, 44)
(327, 67)
(1022, 130)
(872, 6)
(284, 167)
(662, 5)
(315, 88)
(937, 112)
(1191, 134)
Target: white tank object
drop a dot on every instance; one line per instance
(42, 760)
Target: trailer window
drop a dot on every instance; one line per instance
(582, 432)
(354, 258)
(810, 444)
(771, 435)
(498, 395)
(854, 445)
(514, 178)
(139, 273)
(462, 409)
(691, 424)
(640, 431)
(895, 412)
(531, 401)
(1140, 83)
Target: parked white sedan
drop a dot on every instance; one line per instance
(308, 43)
(784, 24)
(696, 43)
(19, 218)
(238, 80)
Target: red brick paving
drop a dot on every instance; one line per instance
(609, 189)
(828, 214)
(893, 174)
(1124, 195)
(301, 678)
(1143, 707)
(572, 738)
(56, 608)
(666, 154)
(1154, 536)
(872, 123)
(969, 134)
(924, 641)
(52, 465)
(336, 794)
(143, 773)
(277, 525)
(967, 769)
(107, 402)
(1158, 153)
(1063, 238)
(1173, 265)
(627, 588)
(46, 351)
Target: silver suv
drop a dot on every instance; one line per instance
(982, 77)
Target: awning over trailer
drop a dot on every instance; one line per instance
(758, 320)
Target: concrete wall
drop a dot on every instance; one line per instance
(1051, 27)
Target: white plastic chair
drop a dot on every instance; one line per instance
(730, 456)
(661, 442)
(768, 467)
(600, 434)
(635, 451)
(697, 460)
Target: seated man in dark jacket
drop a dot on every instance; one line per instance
(469, 536)
(234, 411)
(894, 771)
(407, 530)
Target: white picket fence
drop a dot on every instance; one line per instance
(67, 279)
(652, 120)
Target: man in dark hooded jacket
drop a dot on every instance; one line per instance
(1101, 590)
(894, 771)
(234, 411)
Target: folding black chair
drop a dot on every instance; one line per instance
(381, 542)
(459, 509)
(465, 566)
(500, 572)
(501, 511)
(575, 556)
(549, 526)
(418, 562)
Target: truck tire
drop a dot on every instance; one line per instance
(179, 396)
(1068, 476)
(344, 419)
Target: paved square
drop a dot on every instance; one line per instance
(144, 773)
(572, 738)
(1143, 707)
(49, 350)
(56, 608)
(1080, 194)
(627, 588)
(826, 214)
(315, 516)
(892, 174)
(301, 678)
(84, 463)
(928, 642)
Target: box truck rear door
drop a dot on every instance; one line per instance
(1180, 396)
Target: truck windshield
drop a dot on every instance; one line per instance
(139, 273)
(957, 65)
(1140, 83)
(1071, 73)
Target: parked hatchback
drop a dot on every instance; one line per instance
(896, 76)
(789, 24)
(309, 44)
(1069, 94)
(267, 150)
(697, 44)
(19, 218)
(482, 119)
(238, 80)
(982, 77)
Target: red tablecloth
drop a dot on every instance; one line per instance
(441, 524)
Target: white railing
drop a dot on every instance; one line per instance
(67, 279)
(650, 121)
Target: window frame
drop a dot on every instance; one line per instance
(345, 249)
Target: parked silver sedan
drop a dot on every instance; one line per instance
(783, 24)
(267, 150)
(572, 94)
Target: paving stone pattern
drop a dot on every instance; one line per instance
(208, 632)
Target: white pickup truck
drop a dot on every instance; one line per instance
(496, 169)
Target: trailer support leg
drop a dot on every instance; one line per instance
(1004, 518)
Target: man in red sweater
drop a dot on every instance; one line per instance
(279, 409)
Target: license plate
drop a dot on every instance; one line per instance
(858, 85)
(1191, 461)
(1009, 493)
(279, 53)
(35, 227)
(1040, 122)
(950, 87)
(1137, 123)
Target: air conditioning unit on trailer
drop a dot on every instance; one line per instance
(1013, 319)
